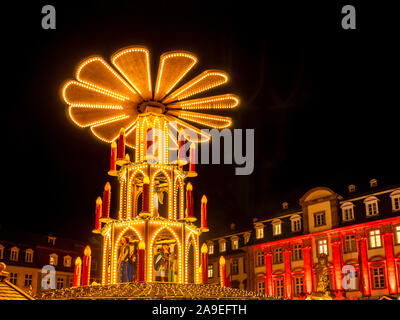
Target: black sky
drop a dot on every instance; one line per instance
(323, 102)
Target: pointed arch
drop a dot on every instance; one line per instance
(179, 198)
(170, 191)
(131, 203)
(191, 239)
(150, 253)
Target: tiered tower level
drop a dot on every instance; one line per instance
(117, 102)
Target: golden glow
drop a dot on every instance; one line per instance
(225, 101)
(204, 199)
(78, 261)
(203, 82)
(209, 120)
(189, 186)
(87, 251)
(222, 260)
(204, 248)
(146, 180)
(142, 245)
(107, 187)
(98, 201)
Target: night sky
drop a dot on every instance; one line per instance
(323, 102)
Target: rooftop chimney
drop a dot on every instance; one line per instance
(285, 205)
(233, 226)
(373, 183)
(352, 188)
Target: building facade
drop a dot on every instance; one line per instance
(359, 232)
(25, 254)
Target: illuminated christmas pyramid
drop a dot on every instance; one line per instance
(153, 237)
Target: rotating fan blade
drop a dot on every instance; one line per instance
(89, 115)
(109, 131)
(224, 101)
(203, 82)
(78, 93)
(173, 67)
(134, 64)
(204, 119)
(96, 72)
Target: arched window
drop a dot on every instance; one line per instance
(395, 195)
(53, 259)
(276, 227)
(29, 255)
(67, 261)
(371, 206)
(347, 211)
(14, 254)
(296, 223)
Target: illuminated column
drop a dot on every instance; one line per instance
(288, 274)
(363, 257)
(337, 262)
(390, 261)
(86, 266)
(222, 271)
(113, 159)
(307, 258)
(77, 272)
(121, 147)
(141, 261)
(204, 226)
(192, 164)
(268, 271)
(146, 197)
(189, 203)
(105, 212)
(204, 263)
(97, 223)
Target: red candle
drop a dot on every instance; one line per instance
(189, 203)
(77, 272)
(97, 223)
(113, 159)
(204, 263)
(146, 195)
(86, 266)
(222, 271)
(121, 144)
(105, 212)
(204, 226)
(141, 260)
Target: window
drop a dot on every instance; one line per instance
(71, 282)
(260, 232)
(350, 243)
(261, 287)
(28, 280)
(51, 240)
(371, 206)
(375, 238)
(278, 257)
(323, 246)
(260, 258)
(296, 223)
(211, 271)
(276, 227)
(235, 267)
(235, 244)
(298, 286)
(14, 254)
(347, 211)
(246, 237)
(67, 261)
(397, 230)
(211, 249)
(222, 246)
(279, 288)
(13, 278)
(378, 276)
(297, 254)
(1, 252)
(53, 259)
(60, 283)
(29, 256)
(395, 195)
(319, 219)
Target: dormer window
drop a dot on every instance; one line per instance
(296, 223)
(347, 211)
(259, 231)
(371, 206)
(246, 237)
(235, 243)
(53, 259)
(14, 254)
(29, 256)
(319, 219)
(51, 240)
(395, 195)
(276, 227)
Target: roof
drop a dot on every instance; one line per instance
(8, 291)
